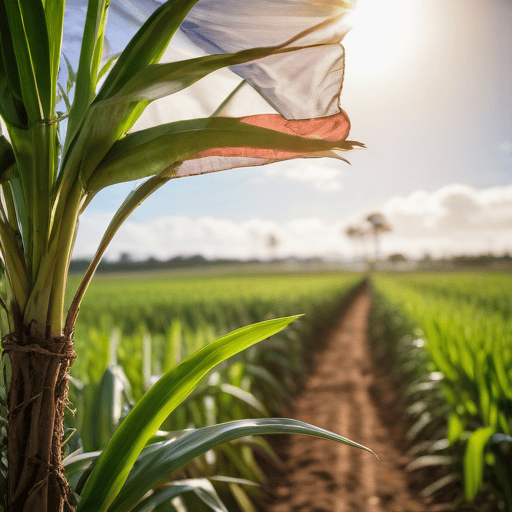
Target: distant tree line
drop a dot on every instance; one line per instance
(466, 261)
(125, 263)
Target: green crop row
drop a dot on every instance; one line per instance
(180, 314)
(468, 366)
(120, 359)
(490, 291)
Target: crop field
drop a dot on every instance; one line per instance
(444, 341)
(174, 316)
(447, 339)
(134, 328)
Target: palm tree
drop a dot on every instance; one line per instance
(378, 225)
(46, 184)
(357, 233)
(272, 244)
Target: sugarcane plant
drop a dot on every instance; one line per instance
(50, 172)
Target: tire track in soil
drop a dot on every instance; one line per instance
(323, 476)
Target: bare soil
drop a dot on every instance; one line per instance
(342, 395)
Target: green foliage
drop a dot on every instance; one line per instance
(161, 458)
(483, 290)
(254, 383)
(143, 421)
(46, 185)
(467, 341)
(474, 460)
(53, 183)
(193, 308)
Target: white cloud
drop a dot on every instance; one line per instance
(325, 177)
(452, 220)
(166, 237)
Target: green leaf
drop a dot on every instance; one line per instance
(474, 461)
(134, 199)
(158, 80)
(201, 487)
(8, 54)
(176, 142)
(104, 125)
(27, 25)
(242, 395)
(455, 428)
(54, 11)
(12, 109)
(143, 421)
(71, 75)
(19, 200)
(270, 382)
(104, 69)
(171, 455)
(76, 464)
(147, 46)
(64, 96)
(90, 57)
(113, 113)
(241, 498)
(7, 158)
(109, 403)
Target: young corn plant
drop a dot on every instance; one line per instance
(467, 347)
(49, 173)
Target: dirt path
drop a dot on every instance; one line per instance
(322, 476)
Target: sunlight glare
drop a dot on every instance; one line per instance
(384, 36)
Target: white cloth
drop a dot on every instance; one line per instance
(299, 85)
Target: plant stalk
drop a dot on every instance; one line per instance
(37, 400)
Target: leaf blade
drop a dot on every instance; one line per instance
(12, 109)
(177, 142)
(148, 44)
(90, 55)
(175, 453)
(114, 113)
(143, 421)
(474, 461)
(27, 24)
(54, 12)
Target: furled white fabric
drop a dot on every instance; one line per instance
(299, 85)
(302, 84)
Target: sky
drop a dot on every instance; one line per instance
(428, 89)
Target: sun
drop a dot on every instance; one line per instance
(384, 36)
